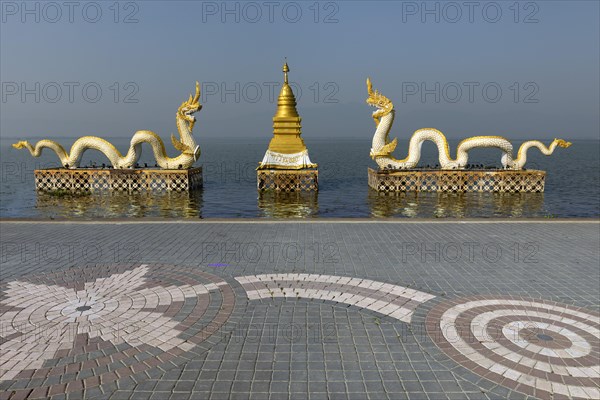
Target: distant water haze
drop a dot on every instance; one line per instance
(523, 70)
(526, 70)
(572, 186)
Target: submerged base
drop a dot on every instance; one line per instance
(288, 180)
(94, 179)
(506, 181)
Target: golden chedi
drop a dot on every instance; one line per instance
(286, 166)
(287, 149)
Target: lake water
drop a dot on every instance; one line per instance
(572, 186)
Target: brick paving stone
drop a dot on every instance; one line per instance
(355, 319)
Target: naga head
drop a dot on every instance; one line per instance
(188, 108)
(562, 143)
(383, 104)
(186, 143)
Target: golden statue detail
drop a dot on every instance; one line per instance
(186, 144)
(287, 149)
(382, 148)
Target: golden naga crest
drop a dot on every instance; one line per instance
(383, 104)
(186, 110)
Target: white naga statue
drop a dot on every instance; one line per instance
(382, 148)
(186, 144)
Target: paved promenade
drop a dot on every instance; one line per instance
(317, 310)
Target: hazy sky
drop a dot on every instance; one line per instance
(525, 71)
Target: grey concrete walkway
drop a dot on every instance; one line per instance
(331, 309)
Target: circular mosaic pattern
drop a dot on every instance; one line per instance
(104, 323)
(537, 347)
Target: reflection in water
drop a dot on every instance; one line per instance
(288, 205)
(572, 188)
(456, 205)
(121, 204)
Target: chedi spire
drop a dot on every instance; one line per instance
(286, 149)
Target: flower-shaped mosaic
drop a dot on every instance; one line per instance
(142, 316)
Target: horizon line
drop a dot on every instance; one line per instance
(269, 136)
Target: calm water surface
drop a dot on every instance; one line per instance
(572, 186)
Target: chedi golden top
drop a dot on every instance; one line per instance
(287, 149)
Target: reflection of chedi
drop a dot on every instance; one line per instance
(287, 149)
